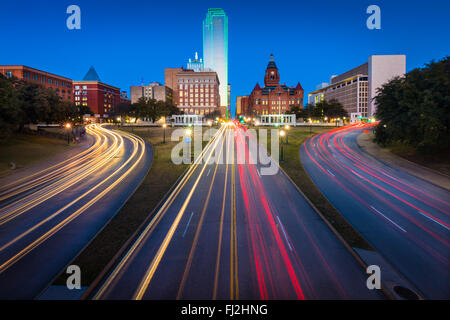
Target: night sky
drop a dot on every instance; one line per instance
(130, 40)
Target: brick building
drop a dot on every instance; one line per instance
(198, 92)
(98, 96)
(61, 85)
(273, 98)
(170, 81)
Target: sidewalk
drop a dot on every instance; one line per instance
(365, 143)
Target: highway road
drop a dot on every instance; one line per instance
(228, 232)
(47, 218)
(405, 218)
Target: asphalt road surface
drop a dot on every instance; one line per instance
(228, 232)
(405, 218)
(47, 218)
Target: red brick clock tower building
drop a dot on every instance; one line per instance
(274, 98)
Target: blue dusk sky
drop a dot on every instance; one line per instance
(127, 41)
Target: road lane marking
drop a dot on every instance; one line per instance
(284, 232)
(434, 220)
(208, 172)
(389, 219)
(187, 225)
(219, 246)
(145, 282)
(158, 216)
(199, 228)
(330, 172)
(74, 215)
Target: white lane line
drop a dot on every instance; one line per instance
(257, 171)
(389, 219)
(330, 172)
(284, 232)
(208, 172)
(192, 213)
(434, 220)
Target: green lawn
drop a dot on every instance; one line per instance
(439, 162)
(295, 170)
(25, 150)
(162, 175)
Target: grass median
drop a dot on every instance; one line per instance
(294, 168)
(160, 178)
(25, 150)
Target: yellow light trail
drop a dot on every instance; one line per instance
(158, 216)
(138, 143)
(199, 228)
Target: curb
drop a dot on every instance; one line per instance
(99, 231)
(387, 289)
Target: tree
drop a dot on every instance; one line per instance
(331, 109)
(9, 111)
(414, 109)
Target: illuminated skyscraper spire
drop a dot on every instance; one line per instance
(215, 49)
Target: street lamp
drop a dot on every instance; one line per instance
(282, 134)
(287, 128)
(164, 132)
(68, 126)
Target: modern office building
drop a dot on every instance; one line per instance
(356, 88)
(61, 85)
(273, 98)
(215, 49)
(98, 96)
(196, 64)
(154, 90)
(198, 92)
(170, 81)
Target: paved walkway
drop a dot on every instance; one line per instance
(366, 143)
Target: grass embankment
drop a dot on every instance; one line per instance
(294, 168)
(25, 150)
(438, 162)
(162, 175)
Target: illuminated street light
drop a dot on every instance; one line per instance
(282, 133)
(188, 132)
(68, 126)
(164, 132)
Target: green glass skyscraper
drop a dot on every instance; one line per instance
(215, 49)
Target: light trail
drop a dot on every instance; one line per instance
(118, 174)
(155, 221)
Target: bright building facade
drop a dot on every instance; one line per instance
(198, 92)
(215, 49)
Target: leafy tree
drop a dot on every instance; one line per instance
(414, 109)
(9, 109)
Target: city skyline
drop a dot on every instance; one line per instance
(122, 58)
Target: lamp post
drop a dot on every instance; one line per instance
(282, 134)
(287, 128)
(164, 132)
(68, 127)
